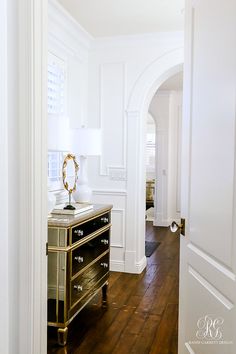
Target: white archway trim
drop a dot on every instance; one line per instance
(144, 89)
(153, 76)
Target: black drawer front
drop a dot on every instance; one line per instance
(85, 254)
(85, 282)
(83, 230)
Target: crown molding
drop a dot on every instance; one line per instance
(67, 25)
(146, 39)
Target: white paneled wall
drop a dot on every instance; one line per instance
(118, 200)
(115, 67)
(105, 78)
(112, 112)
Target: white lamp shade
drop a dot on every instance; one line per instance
(58, 133)
(86, 141)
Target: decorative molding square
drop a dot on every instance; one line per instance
(112, 192)
(121, 228)
(211, 289)
(115, 67)
(117, 173)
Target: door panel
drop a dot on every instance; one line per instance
(213, 132)
(207, 272)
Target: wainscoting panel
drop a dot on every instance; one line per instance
(118, 199)
(112, 115)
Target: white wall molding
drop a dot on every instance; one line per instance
(147, 83)
(67, 47)
(163, 93)
(132, 225)
(76, 32)
(141, 265)
(33, 177)
(112, 192)
(143, 91)
(130, 262)
(66, 35)
(121, 266)
(117, 266)
(118, 84)
(4, 251)
(117, 173)
(147, 39)
(121, 242)
(123, 164)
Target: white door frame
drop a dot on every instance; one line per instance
(4, 262)
(33, 176)
(142, 93)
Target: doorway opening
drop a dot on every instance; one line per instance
(150, 166)
(141, 96)
(163, 132)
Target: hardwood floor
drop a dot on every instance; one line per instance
(142, 312)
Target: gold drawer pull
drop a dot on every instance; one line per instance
(79, 259)
(79, 232)
(78, 287)
(104, 241)
(104, 265)
(105, 220)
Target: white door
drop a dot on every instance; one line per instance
(207, 322)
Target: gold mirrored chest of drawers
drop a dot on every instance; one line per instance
(78, 263)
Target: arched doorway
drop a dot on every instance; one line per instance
(166, 110)
(144, 89)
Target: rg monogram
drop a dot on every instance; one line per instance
(209, 328)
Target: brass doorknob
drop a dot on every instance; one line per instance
(174, 227)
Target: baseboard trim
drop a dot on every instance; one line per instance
(140, 266)
(120, 266)
(117, 266)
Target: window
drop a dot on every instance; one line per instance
(56, 85)
(55, 160)
(55, 163)
(56, 113)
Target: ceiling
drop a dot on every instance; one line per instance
(104, 18)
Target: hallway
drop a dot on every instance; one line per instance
(142, 309)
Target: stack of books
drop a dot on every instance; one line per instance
(79, 208)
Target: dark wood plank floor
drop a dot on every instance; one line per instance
(142, 314)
